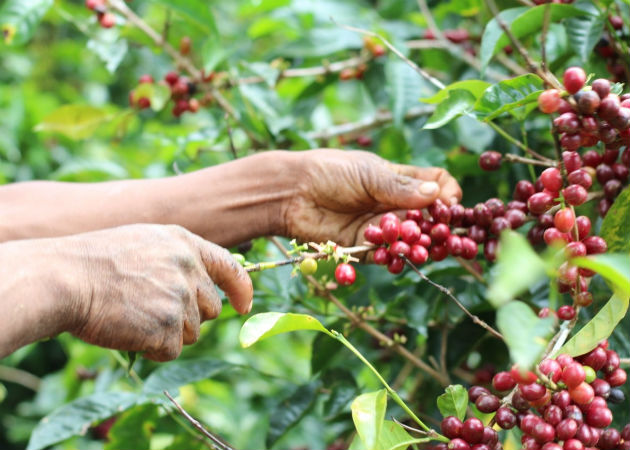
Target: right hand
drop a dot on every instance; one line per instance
(147, 288)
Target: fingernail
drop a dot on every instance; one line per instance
(429, 188)
(454, 201)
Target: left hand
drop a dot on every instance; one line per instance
(340, 192)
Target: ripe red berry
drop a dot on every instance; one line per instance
(458, 444)
(582, 394)
(599, 417)
(540, 202)
(551, 178)
(574, 194)
(410, 231)
(94, 4)
(572, 161)
(602, 87)
(573, 375)
(399, 248)
(532, 392)
(390, 230)
(487, 403)
(583, 226)
(592, 158)
(469, 248)
(525, 377)
(490, 249)
(566, 312)
(595, 245)
(193, 105)
(524, 189)
(549, 101)
(472, 431)
(418, 254)
(454, 245)
(107, 20)
(396, 265)
(588, 101)
(143, 103)
(564, 220)
(609, 107)
(551, 368)
(490, 160)
(345, 274)
(573, 79)
(505, 418)
(425, 240)
(439, 233)
(451, 427)
(499, 224)
(381, 256)
(566, 429)
(503, 381)
(617, 377)
(374, 235)
(146, 78)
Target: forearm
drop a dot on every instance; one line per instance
(36, 297)
(226, 204)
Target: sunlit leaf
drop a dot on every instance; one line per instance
(20, 18)
(454, 401)
(178, 373)
(457, 103)
(134, 428)
(614, 267)
(600, 327)
(616, 226)
(525, 334)
(74, 121)
(475, 87)
(508, 96)
(584, 33)
(264, 325)
(368, 413)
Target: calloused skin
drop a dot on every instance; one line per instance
(73, 260)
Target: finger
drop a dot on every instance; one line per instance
(449, 190)
(400, 191)
(192, 321)
(169, 350)
(208, 301)
(228, 274)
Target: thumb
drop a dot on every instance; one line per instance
(403, 192)
(228, 274)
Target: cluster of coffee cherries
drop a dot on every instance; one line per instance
(607, 50)
(567, 408)
(182, 91)
(374, 50)
(105, 18)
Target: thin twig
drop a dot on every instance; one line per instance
(509, 157)
(448, 293)
(358, 322)
(21, 377)
(470, 269)
(516, 142)
(361, 126)
(423, 73)
(218, 442)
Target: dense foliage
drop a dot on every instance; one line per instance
(77, 105)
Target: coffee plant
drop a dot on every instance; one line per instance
(497, 323)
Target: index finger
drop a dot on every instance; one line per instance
(450, 192)
(228, 274)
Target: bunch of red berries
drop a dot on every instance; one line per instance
(182, 91)
(566, 410)
(104, 17)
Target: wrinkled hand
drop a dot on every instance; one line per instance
(148, 287)
(341, 192)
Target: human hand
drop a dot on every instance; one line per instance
(148, 287)
(340, 192)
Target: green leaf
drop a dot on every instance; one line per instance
(133, 429)
(509, 278)
(522, 22)
(453, 402)
(404, 87)
(89, 171)
(584, 33)
(212, 54)
(19, 19)
(457, 103)
(475, 87)
(614, 267)
(392, 437)
(264, 325)
(74, 121)
(75, 418)
(616, 226)
(600, 327)
(291, 410)
(508, 95)
(157, 93)
(195, 11)
(178, 373)
(525, 334)
(368, 413)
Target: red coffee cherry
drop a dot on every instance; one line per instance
(505, 418)
(573, 375)
(588, 101)
(490, 160)
(454, 245)
(396, 265)
(540, 202)
(439, 233)
(592, 158)
(487, 403)
(572, 161)
(595, 245)
(94, 4)
(575, 194)
(566, 312)
(599, 417)
(410, 231)
(551, 368)
(458, 444)
(583, 226)
(107, 20)
(399, 248)
(515, 217)
(171, 78)
(418, 254)
(503, 381)
(549, 101)
(490, 249)
(469, 248)
(532, 392)
(566, 429)
(564, 220)
(602, 87)
(390, 230)
(382, 256)
(472, 431)
(345, 274)
(573, 79)
(374, 235)
(582, 394)
(617, 377)
(525, 189)
(551, 178)
(581, 177)
(451, 427)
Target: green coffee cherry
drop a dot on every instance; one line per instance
(308, 266)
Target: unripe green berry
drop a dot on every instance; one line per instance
(308, 266)
(590, 374)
